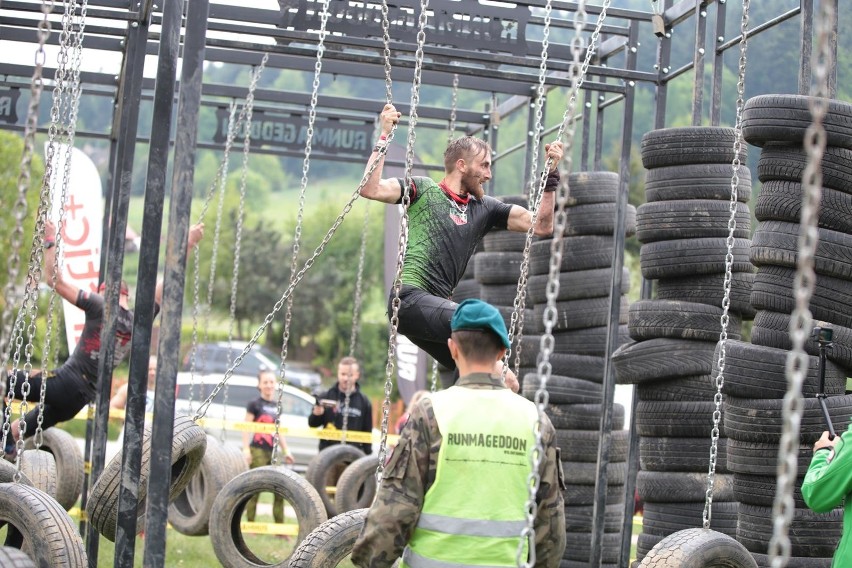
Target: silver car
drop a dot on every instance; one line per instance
(217, 358)
(230, 405)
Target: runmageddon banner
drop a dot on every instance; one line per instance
(291, 131)
(492, 27)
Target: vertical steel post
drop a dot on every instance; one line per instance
(493, 130)
(587, 130)
(597, 530)
(718, 65)
(174, 277)
(599, 135)
(806, 16)
(698, 61)
(114, 231)
(664, 57)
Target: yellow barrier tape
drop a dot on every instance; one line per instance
(269, 528)
(263, 428)
(78, 514)
(87, 467)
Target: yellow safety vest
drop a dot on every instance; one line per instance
(474, 513)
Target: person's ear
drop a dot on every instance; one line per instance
(454, 348)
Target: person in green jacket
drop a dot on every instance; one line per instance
(828, 482)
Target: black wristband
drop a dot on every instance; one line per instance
(49, 244)
(552, 182)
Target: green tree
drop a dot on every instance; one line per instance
(11, 152)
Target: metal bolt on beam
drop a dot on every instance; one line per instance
(701, 51)
(720, 39)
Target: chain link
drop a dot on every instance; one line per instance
(804, 282)
(219, 182)
(238, 235)
(578, 74)
(25, 322)
(71, 105)
(527, 540)
(359, 283)
(297, 237)
(403, 235)
(434, 386)
(451, 129)
(736, 164)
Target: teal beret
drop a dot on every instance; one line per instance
(476, 315)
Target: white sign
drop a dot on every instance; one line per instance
(82, 230)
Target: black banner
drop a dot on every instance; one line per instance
(290, 132)
(465, 25)
(8, 105)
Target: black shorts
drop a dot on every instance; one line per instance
(66, 394)
(425, 320)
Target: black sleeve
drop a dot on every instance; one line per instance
(315, 421)
(413, 194)
(89, 302)
(499, 212)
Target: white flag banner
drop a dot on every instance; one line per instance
(82, 230)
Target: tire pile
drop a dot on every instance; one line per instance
(755, 380)
(684, 227)
(580, 332)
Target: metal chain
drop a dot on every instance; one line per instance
(219, 182)
(434, 386)
(516, 321)
(72, 97)
(359, 283)
(403, 234)
(578, 75)
(238, 235)
(297, 237)
(202, 409)
(25, 321)
(804, 282)
(736, 164)
(577, 72)
(356, 313)
(455, 102)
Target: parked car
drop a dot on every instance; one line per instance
(296, 405)
(216, 358)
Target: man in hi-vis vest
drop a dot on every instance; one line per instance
(454, 491)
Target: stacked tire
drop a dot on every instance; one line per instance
(683, 228)
(755, 378)
(580, 332)
(497, 268)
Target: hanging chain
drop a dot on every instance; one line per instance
(578, 73)
(804, 282)
(297, 237)
(21, 206)
(25, 321)
(73, 91)
(403, 235)
(219, 182)
(454, 106)
(238, 236)
(736, 164)
(516, 321)
(359, 283)
(434, 386)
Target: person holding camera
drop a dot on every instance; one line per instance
(454, 491)
(344, 402)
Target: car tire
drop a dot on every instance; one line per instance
(40, 527)
(69, 464)
(331, 542)
(188, 444)
(39, 467)
(225, 534)
(189, 512)
(698, 548)
(356, 487)
(325, 470)
(11, 557)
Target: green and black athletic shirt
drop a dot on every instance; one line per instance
(444, 230)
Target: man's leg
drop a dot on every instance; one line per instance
(425, 320)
